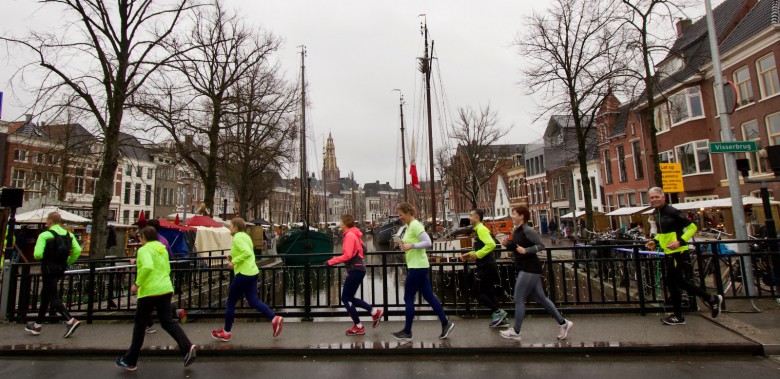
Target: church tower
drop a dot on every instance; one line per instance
(330, 168)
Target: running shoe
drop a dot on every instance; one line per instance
(716, 305)
(402, 335)
(565, 328)
(377, 317)
(120, 362)
(510, 334)
(277, 324)
(35, 330)
(71, 327)
(190, 356)
(673, 320)
(356, 331)
(221, 335)
(446, 329)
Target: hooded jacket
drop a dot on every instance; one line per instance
(352, 254)
(242, 254)
(153, 270)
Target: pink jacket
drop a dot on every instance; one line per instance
(352, 250)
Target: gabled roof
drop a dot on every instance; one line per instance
(723, 15)
(372, 189)
(762, 16)
(27, 128)
(132, 148)
(73, 136)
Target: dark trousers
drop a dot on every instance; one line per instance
(417, 280)
(483, 288)
(49, 296)
(351, 285)
(162, 305)
(244, 286)
(678, 267)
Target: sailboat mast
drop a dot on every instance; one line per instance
(427, 71)
(304, 211)
(403, 149)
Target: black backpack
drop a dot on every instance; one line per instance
(57, 249)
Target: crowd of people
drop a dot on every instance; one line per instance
(57, 248)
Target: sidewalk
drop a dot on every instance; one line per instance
(734, 333)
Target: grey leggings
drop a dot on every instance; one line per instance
(531, 284)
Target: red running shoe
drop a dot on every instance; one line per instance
(377, 317)
(356, 331)
(277, 324)
(221, 335)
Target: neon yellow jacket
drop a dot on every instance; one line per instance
(242, 255)
(153, 270)
(40, 244)
(672, 226)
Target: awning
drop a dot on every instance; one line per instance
(626, 211)
(716, 203)
(39, 216)
(576, 214)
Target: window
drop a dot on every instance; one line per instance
(685, 105)
(128, 169)
(555, 189)
(148, 194)
(137, 198)
(621, 197)
(694, 157)
(139, 171)
(644, 198)
(579, 189)
(631, 199)
(773, 128)
(127, 192)
(661, 116)
(136, 214)
(767, 76)
(666, 157)
(149, 173)
(562, 183)
(593, 194)
(39, 158)
(621, 156)
(20, 155)
(35, 186)
(53, 184)
(607, 167)
(78, 184)
(639, 171)
(157, 197)
(744, 87)
(126, 217)
(17, 178)
(750, 133)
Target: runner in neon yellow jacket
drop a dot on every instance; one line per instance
(153, 270)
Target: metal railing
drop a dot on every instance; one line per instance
(606, 278)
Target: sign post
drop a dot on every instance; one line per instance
(733, 147)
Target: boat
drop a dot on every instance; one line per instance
(304, 244)
(383, 233)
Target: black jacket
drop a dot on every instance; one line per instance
(526, 237)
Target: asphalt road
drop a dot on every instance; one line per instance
(493, 367)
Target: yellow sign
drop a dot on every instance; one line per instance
(671, 176)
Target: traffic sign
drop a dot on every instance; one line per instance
(671, 177)
(733, 147)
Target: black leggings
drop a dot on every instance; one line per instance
(144, 308)
(678, 267)
(483, 286)
(49, 296)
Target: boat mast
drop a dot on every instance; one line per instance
(304, 211)
(403, 146)
(426, 66)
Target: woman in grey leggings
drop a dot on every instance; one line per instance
(525, 243)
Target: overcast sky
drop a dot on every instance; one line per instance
(358, 52)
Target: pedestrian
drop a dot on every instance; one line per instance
(413, 243)
(653, 226)
(179, 314)
(674, 231)
(553, 227)
(155, 289)
(353, 256)
(485, 274)
(57, 249)
(244, 285)
(526, 243)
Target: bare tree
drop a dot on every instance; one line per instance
(210, 61)
(260, 134)
(647, 39)
(121, 40)
(575, 49)
(476, 160)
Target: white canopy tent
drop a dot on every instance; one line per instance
(627, 211)
(574, 214)
(38, 216)
(716, 203)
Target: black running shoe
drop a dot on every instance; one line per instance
(446, 329)
(673, 320)
(715, 306)
(402, 335)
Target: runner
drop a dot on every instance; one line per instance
(155, 289)
(242, 261)
(525, 243)
(414, 243)
(353, 254)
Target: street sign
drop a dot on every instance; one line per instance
(730, 96)
(671, 177)
(733, 147)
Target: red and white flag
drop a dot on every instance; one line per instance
(413, 170)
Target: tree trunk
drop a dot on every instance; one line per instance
(104, 188)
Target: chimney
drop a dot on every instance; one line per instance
(28, 117)
(682, 25)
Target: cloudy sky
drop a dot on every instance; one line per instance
(358, 52)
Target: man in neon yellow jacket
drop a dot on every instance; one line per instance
(154, 288)
(674, 231)
(57, 249)
(242, 261)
